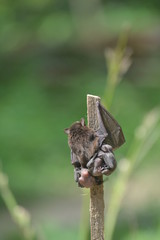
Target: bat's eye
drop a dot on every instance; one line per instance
(91, 137)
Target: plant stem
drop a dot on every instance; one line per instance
(96, 192)
(20, 215)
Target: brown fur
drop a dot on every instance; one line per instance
(83, 141)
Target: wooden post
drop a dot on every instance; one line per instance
(96, 192)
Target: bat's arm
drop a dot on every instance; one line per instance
(77, 166)
(91, 161)
(74, 160)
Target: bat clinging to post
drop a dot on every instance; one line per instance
(92, 151)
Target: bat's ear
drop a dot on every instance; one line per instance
(66, 130)
(82, 122)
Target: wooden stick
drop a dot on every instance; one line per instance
(96, 192)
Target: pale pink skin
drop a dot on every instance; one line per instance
(86, 180)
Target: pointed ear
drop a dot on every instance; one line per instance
(82, 122)
(66, 130)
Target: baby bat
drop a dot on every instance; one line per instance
(91, 151)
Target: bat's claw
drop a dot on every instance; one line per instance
(106, 148)
(107, 172)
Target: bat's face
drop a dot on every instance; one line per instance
(82, 140)
(75, 127)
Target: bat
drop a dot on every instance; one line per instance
(92, 151)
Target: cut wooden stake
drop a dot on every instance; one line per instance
(96, 192)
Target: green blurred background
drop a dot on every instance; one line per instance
(51, 56)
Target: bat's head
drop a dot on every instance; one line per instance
(75, 127)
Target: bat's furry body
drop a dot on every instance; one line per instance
(83, 141)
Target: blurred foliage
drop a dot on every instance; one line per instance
(19, 214)
(51, 56)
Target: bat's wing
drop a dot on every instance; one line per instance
(108, 124)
